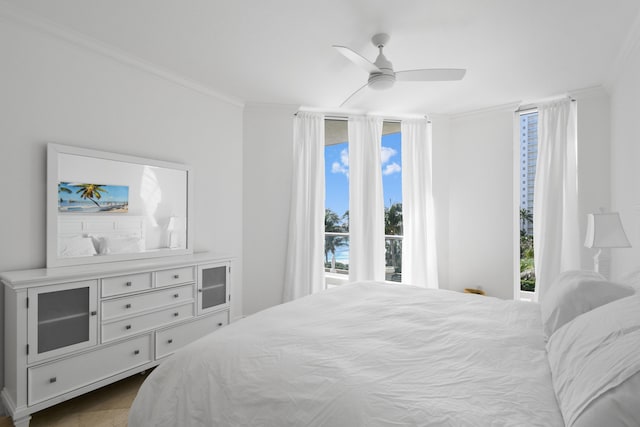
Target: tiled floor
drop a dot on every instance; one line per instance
(105, 407)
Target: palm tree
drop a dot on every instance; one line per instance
(91, 192)
(393, 219)
(526, 218)
(345, 221)
(527, 270)
(393, 227)
(333, 223)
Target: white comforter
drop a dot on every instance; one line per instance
(366, 354)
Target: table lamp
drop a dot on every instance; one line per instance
(604, 230)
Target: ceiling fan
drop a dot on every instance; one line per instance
(381, 74)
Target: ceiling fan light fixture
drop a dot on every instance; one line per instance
(381, 81)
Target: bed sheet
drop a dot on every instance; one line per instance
(365, 354)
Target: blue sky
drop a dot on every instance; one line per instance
(337, 172)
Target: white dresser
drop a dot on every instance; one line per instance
(70, 330)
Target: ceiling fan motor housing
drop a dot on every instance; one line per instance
(381, 81)
(386, 77)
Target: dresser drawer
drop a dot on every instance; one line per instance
(53, 379)
(124, 284)
(131, 305)
(174, 338)
(133, 325)
(175, 276)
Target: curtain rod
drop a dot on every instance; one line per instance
(533, 106)
(389, 119)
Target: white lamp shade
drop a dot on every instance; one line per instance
(172, 223)
(604, 230)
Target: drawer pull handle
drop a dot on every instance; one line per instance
(128, 284)
(53, 380)
(200, 290)
(220, 324)
(169, 341)
(136, 352)
(128, 327)
(176, 276)
(127, 306)
(176, 314)
(176, 295)
(93, 313)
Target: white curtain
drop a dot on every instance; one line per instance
(419, 261)
(304, 272)
(366, 206)
(556, 234)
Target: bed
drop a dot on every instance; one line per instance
(374, 354)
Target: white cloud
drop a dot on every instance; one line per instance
(344, 157)
(391, 168)
(338, 168)
(343, 165)
(386, 153)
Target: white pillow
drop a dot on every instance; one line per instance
(76, 246)
(574, 293)
(618, 407)
(595, 365)
(120, 245)
(632, 279)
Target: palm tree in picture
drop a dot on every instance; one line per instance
(91, 192)
(62, 188)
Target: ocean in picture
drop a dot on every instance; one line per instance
(91, 198)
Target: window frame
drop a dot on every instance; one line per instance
(332, 138)
(519, 294)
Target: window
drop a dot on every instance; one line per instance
(528, 141)
(336, 216)
(391, 158)
(336, 249)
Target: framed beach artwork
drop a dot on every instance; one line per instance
(77, 197)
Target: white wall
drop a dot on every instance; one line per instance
(594, 183)
(57, 91)
(268, 144)
(481, 202)
(625, 159)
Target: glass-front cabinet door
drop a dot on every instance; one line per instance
(213, 286)
(61, 318)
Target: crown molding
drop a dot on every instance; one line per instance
(502, 108)
(589, 92)
(270, 106)
(27, 19)
(629, 47)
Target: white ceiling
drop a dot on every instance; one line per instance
(279, 51)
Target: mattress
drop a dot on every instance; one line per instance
(364, 354)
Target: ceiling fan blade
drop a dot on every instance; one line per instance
(358, 59)
(431, 75)
(353, 95)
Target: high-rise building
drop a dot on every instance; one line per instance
(528, 160)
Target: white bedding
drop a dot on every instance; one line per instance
(366, 354)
